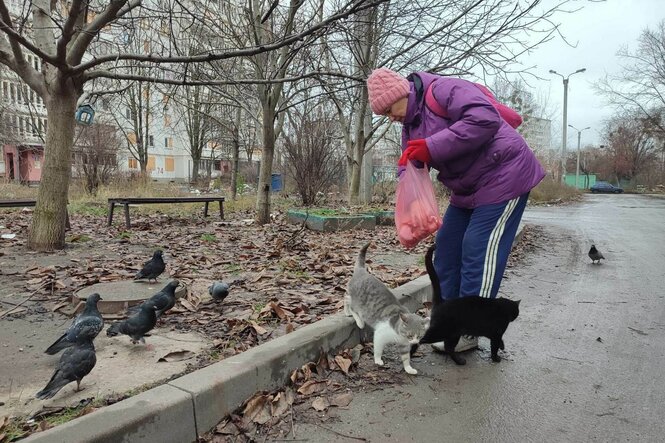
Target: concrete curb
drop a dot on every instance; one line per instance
(193, 404)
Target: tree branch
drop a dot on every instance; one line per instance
(151, 79)
(68, 29)
(359, 5)
(112, 12)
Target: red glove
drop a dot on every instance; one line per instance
(415, 150)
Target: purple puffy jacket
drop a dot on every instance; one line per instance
(479, 156)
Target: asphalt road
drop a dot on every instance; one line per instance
(583, 362)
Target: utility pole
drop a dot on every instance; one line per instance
(565, 118)
(579, 138)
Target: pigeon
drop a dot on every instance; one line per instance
(86, 325)
(152, 268)
(75, 363)
(219, 290)
(163, 300)
(138, 325)
(595, 254)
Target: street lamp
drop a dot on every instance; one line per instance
(579, 138)
(565, 116)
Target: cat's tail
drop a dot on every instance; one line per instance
(433, 277)
(360, 263)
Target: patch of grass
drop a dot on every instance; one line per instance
(88, 208)
(79, 238)
(233, 268)
(125, 235)
(208, 237)
(14, 429)
(421, 261)
(257, 307)
(550, 191)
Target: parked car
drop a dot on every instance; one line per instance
(606, 187)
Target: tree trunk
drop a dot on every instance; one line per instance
(196, 162)
(236, 158)
(47, 231)
(265, 173)
(358, 150)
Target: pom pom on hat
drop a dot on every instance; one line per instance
(385, 87)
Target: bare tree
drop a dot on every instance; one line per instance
(312, 150)
(451, 37)
(632, 144)
(641, 83)
(63, 35)
(96, 154)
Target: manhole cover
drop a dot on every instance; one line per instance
(117, 296)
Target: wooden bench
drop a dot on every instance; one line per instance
(161, 200)
(25, 203)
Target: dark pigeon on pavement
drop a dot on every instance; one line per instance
(85, 326)
(138, 325)
(595, 254)
(164, 299)
(75, 363)
(219, 290)
(153, 268)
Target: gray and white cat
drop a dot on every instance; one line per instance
(370, 302)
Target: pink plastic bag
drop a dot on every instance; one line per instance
(416, 210)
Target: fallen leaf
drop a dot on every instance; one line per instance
(312, 386)
(259, 330)
(279, 405)
(227, 428)
(320, 404)
(177, 356)
(343, 363)
(289, 328)
(258, 409)
(59, 306)
(341, 400)
(188, 305)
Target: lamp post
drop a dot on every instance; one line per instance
(565, 116)
(579, 138)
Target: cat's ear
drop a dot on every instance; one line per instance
(404, 317)
(518, 302)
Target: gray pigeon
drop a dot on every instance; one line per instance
(136, 326)
(152, 268)
(85, 326)
(75, 363)
(595, 254)
(219, 290)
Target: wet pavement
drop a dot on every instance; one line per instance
(583, 362)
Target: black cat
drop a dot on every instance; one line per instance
(475, 316)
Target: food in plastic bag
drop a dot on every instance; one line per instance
(416, 210)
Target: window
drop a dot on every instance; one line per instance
(131, 136)
(12, 92)
(146, 45)
(168, 142)
(5, 90)
(133, 163)
(128, 114)
(169, 164)
(151, 140)
(151, 163)
(167, 120)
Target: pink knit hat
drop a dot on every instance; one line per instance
(385, 87)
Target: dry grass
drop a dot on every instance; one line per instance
(549, 191)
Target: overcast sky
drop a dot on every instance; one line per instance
(599, 30)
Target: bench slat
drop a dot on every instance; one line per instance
(165, 200)
(17, 203)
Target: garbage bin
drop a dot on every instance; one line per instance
(276, 182)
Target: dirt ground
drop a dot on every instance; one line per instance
(282, 277)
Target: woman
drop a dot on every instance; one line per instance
(453, 126)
